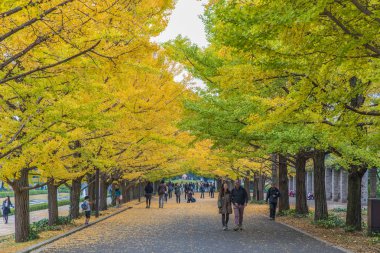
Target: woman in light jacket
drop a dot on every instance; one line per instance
(224, 205)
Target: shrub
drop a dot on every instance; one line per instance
(339, 210)
(332, 221)
(43, 225)
(290, 212)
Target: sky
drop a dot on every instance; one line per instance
(185, 21)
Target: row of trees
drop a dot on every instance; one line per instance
(290, 81)
(83, 92)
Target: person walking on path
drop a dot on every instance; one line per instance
(161, 194)
(212, 190)
(148, 194)
(118, 197)
(86, 207)
(177, 192)
(170, 189)
(224, 205)
(239, 199)
(6, 207)
(202, 190)
(272, 195)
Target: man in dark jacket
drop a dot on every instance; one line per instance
(272, 195)
(239, 199)
(148, 194)
(161, 194)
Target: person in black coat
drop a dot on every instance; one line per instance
(272, 195)
(239, 199)
(148, 194)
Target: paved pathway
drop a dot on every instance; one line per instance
(8, 229)
(194, 227)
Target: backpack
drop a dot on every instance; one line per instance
(84, 206)
(161, 190)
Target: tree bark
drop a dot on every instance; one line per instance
(91, 189)
(320, 201)
(354, 203)
(301, 200)
(247, 187)
(261, 188)
(75, 191)
(21, 207)
(255, 193)
(113, 197)
(103, 186)
(275, 169)
(52, 203)
(373, 182)
(283, 184)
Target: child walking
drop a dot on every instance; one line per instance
(86, 207)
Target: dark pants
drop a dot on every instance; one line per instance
(185, 194)
(170, 194)
(212, 194)
(148, 198)
(202, 195)
(225, 218)
(272, 207)
(178, 198)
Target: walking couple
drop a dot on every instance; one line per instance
(236, 199)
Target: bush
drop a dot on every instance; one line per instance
(61, 189)
(332, 221)
(43, 225)
(290, 212)
(339, 210)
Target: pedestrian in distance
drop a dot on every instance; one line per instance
(202, 190)
(6, 207)
(118, 197)
(170, 189)
(190, 198)
(272, 195)
(161, 194)
(212, 191)
(239, 199)
(177, 192)
(86, 207)
(148, 194)
(224, 205)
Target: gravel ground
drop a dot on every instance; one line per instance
(193, 227)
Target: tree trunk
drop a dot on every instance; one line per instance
(52, 203)
(103, 193)
(373, 182)
(91, 189)
(247, 187)
(75, 191)
(21, 207)
(255, 193)
(301, 200)
(261, 188)
(319, 186)
(283, 184)
(275, 169)
(354, 203)
(113, 197)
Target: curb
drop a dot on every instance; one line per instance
(55, 238)
(312, 236)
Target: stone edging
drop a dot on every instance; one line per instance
(314, 237)
(55, 238)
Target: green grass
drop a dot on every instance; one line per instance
(43, 225)
(4, 194)
(43, 206)
(333, 221)
(339, 210)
